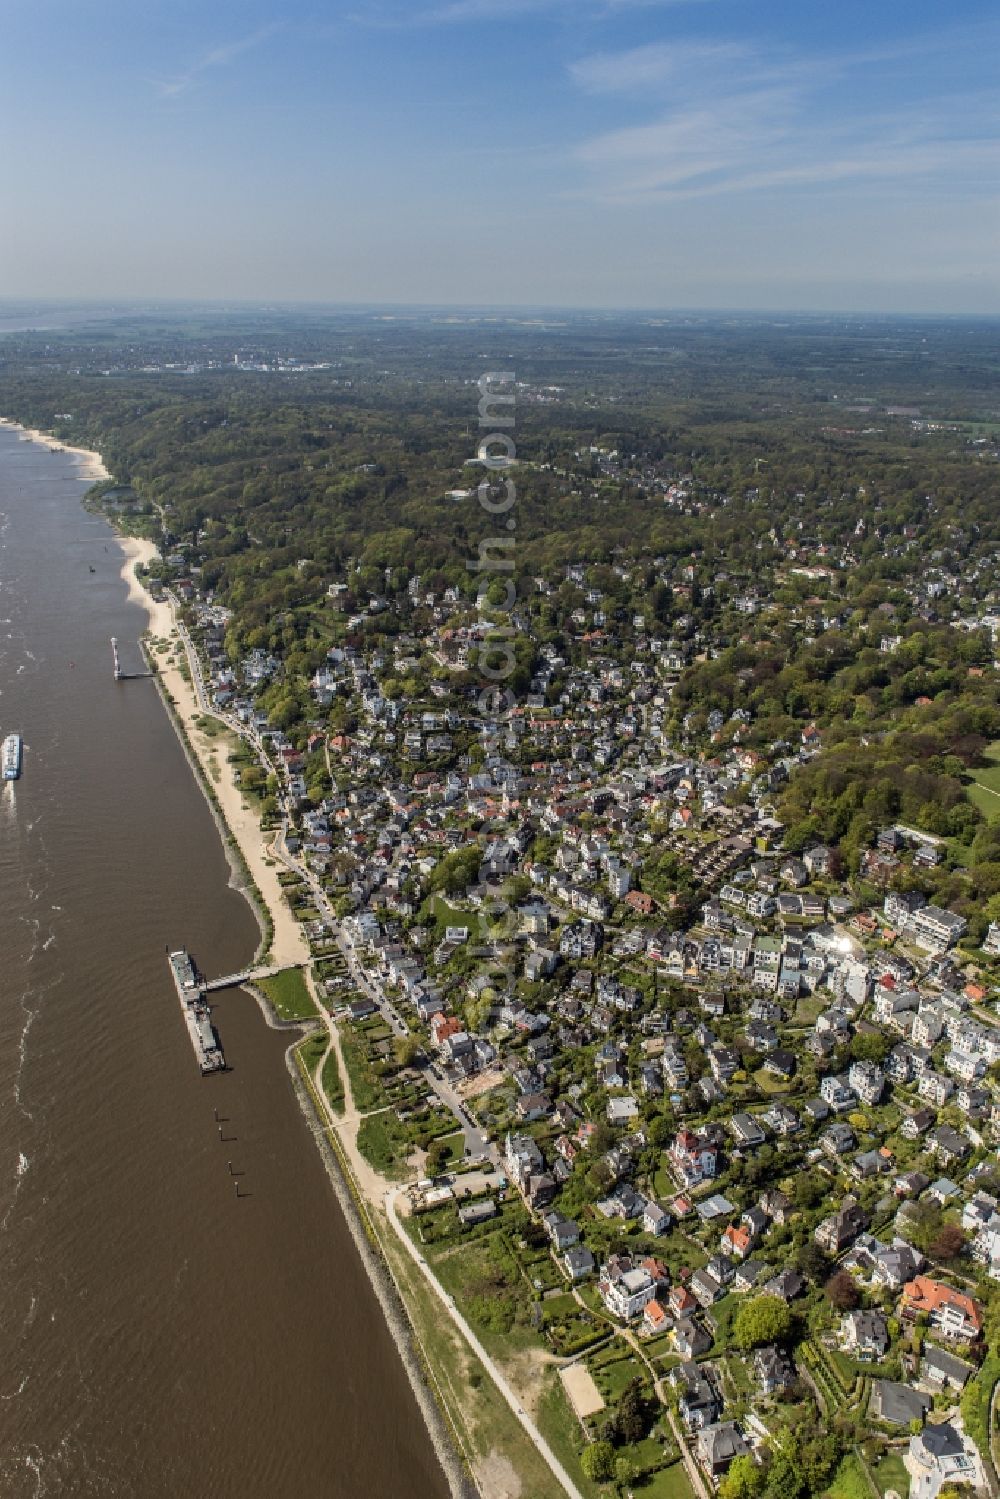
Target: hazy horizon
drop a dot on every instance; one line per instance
(85, 307)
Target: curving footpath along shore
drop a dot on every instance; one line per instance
(496, 1374)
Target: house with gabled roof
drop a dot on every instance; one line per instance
(718, 1447)
(951, 1313)
(841, 1228)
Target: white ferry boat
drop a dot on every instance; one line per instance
(10, 757)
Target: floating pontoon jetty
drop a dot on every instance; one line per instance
(197, 1012)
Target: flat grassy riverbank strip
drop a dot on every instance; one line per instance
(333, 1083)
(369, 1246)
(289, 995)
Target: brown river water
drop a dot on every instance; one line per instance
(159, 1338)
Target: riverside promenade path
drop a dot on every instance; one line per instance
(545, 1451)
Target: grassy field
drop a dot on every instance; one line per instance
(383, 1142)
(312, 1050)
(768, 1082)
(477, 1412)
(447, 915)
(561, 1430)
(984, 790)
(288, 994)
(455, 1146)
(333, 1083)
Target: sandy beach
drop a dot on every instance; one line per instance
(288, 944)
(90, 465)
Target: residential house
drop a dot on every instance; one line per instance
(837, 1092)
(951, 1313)
(690, 1338)
(773, 1370)
(746, 1130)
(841, 1228)
(917, 1124)
(864, 1335)
(718, 1446)
(625, 1288)
(897, 1404)
(947, 1145)
(655, 1218)
(943, 1371)
(938, 1455)
(737, 1241)
(693, 1158)
(868, 1081)
(698, 1401)
(579, 1262)
(786, 1285)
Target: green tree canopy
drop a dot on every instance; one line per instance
(764, 1319)
(598, 1462)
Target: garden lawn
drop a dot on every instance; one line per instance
(890, 1473)
(668, 1483)
(984, 786)
(613, 1379)
(849, 1481)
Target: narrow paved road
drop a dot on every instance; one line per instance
(691, 1467)
(556, 1467)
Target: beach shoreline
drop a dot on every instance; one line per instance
(89, 464)
(288, 943)
(239, 821)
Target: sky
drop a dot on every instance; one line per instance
(760, 154)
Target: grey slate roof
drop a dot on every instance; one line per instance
(897, 1403)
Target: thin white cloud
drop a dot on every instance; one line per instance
(217, 57)
(731, 118)
(653, 66)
